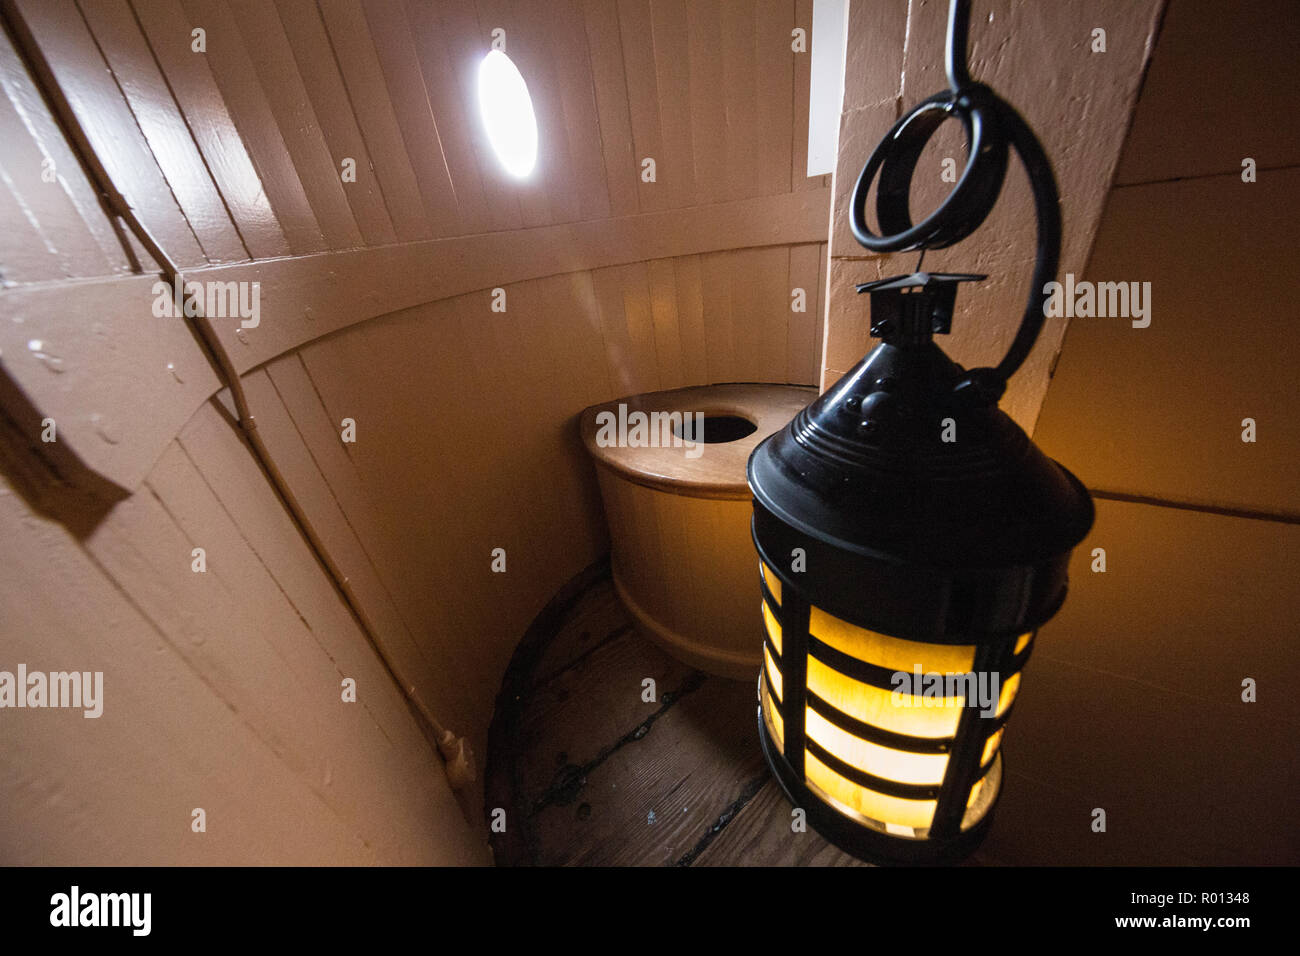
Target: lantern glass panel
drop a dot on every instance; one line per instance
(773, 627)
(1008, 694)
(890, 653)
(899, 766)
(773, 674)
(875, 808)
(991, 747)
(775, 725)
(773, 582)
(911, 714)
(982, 795)
(932, 721)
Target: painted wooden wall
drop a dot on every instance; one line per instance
(467, 434)
(222, 690)
(376, 306)
(1158, 411)
(1135, 696)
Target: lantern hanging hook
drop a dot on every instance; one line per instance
(991, 125)
(955, 52)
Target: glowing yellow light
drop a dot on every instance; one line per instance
(909, 714)
(982, 794)
(913, 715)
(773, 582)
(890, 653)
(1009, 688)
(899, 766)
(773, 675)
(775, 725)
(773, 627)
(990, 748)
(874, 806)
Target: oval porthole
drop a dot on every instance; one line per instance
(507, 112)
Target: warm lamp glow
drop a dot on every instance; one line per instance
(856, 729)
(507, 112)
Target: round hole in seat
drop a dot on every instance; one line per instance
(717, 429)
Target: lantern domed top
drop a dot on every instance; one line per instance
(888, 463)
(895, 474)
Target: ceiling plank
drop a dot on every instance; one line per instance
(269, 50)
(52, 227)
(359, 63)
(253, 119)
(323, 86)
(612, 109)
(419, 129)
(147, 93)
(77, 68)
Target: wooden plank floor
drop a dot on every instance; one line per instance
(589, 772)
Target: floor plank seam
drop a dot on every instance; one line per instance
(571, 779)
(746, 795)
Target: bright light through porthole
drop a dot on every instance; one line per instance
(507, 112)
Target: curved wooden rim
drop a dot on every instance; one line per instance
(718, 470)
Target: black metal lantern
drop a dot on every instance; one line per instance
(911, 537)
